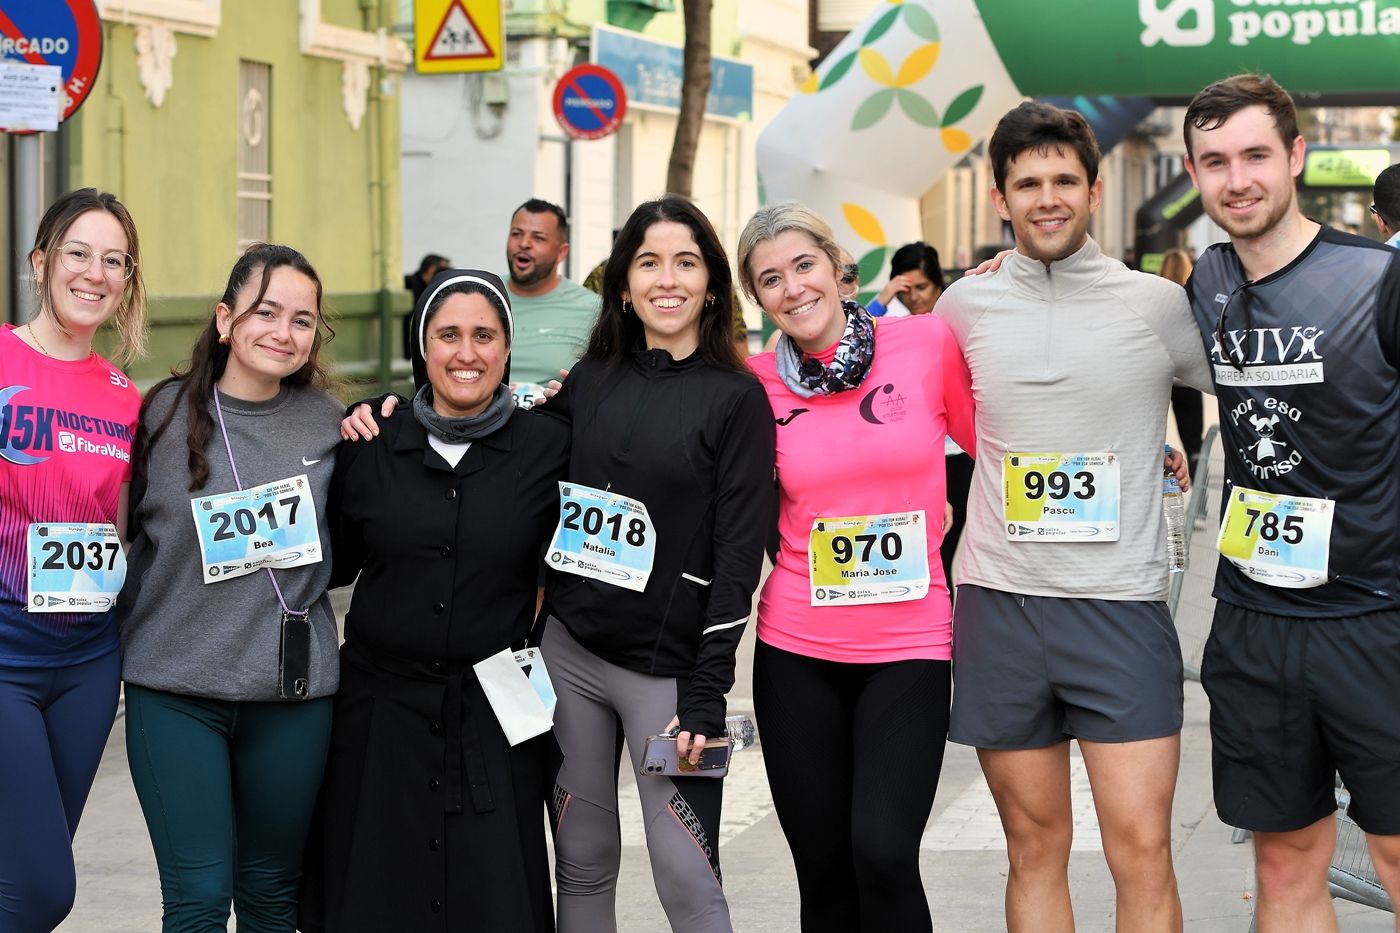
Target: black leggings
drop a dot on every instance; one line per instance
(853, 753)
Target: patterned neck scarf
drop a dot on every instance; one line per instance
(807, 376)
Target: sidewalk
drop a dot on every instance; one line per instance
(964, 862)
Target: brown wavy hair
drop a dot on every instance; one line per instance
(616, 333)
(208, 359)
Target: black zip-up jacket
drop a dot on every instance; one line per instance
(695, 445)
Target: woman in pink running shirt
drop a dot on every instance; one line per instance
(67, 421)
(852, 666)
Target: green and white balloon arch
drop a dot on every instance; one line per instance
(912, 89)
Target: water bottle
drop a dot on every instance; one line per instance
(740, 730)
(1174, 509)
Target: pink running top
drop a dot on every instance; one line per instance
(872, 450)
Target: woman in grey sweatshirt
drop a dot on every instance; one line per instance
(229, 647)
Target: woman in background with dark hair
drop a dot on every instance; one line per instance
(229, 663)
(670, 428)
(916, 281)
(430, 818)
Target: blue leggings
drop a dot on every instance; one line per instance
(54, 723)
(227, 789)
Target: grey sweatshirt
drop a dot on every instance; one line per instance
(1076, 358)
(220, 640)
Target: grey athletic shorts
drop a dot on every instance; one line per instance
(1034, 671)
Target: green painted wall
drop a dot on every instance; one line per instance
(176, 169)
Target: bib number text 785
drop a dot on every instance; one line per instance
(1271, 528)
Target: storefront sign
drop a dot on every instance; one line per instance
(653, 73)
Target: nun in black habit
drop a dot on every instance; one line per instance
(429, 820)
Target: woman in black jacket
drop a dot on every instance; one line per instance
(430, 819)
(672, 472)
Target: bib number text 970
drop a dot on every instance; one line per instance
(844, 548)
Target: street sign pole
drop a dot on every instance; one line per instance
(66, 34)
(28, 207)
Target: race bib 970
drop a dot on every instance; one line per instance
(869, 559)
(273, 525)
(1060, 496)
(74, 567)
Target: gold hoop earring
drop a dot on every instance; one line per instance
(626, 306)
(709, 302)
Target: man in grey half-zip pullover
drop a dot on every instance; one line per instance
(1061, 630)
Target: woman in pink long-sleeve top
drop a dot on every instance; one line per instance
(852, 667)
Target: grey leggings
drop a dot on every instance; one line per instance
(600, 704)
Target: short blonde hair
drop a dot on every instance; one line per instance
(130, 317)
(769, 222)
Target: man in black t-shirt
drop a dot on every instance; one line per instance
(1302, 324)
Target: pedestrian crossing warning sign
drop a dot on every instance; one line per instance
(457, 35)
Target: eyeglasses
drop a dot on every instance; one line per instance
(1220, 332)
(1372, 209)
(77, 258)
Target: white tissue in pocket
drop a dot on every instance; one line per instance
(523, 703)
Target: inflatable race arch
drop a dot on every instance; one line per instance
(911, 90)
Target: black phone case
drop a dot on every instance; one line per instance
(294, 658)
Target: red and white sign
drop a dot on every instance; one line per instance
(65, 33)
(589, 102)
(457, 37)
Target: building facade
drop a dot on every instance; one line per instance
(476, 146)
(222, 123)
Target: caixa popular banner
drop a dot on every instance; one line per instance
(1172, 48)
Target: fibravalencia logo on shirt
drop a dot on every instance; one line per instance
(26, 431)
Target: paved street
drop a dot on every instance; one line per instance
(963, 857)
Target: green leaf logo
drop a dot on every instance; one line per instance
(874, 109)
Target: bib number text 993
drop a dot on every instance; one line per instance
(1058, 485)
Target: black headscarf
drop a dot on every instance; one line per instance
(440, 281)
(458, 430)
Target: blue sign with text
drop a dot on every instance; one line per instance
(653, 72)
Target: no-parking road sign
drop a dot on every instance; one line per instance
(65, 33)
(589, 102)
